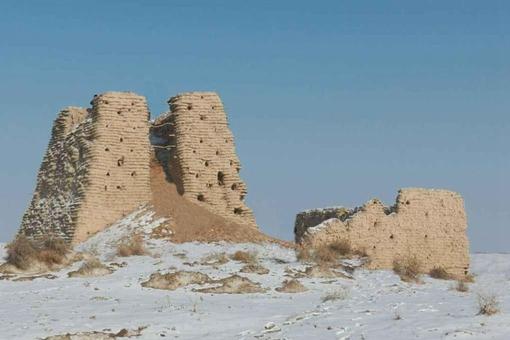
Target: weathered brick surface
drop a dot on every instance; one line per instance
(61, 183)
(200, 155)
(97, 165)
(96, 168)
(427, 223)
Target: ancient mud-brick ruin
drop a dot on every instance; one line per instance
(106, 161)
(201, 156)
(96, 168)
(99, 163)
(428, 224)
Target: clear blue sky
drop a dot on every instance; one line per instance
(331, 102)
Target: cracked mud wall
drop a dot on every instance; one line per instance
(197, 149)
(96, 168)
(427, 223)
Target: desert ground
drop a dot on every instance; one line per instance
(340, 304)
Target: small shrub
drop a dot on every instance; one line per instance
(50, 257)
(132, 246)
(360, 252)
(461, 286)
(21, 252)
(339, 294)
(440, 273)
(487, 304)
(92, 267)
(254, 268)
(291, 286)
(56, 245)
(470, 278)
(53, 250)
(341, 247)
(324, 254)
(303, 254)
(407, 268)
(215, 259)
(92, 263)
(244, 256)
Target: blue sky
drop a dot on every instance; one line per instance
(331, 102)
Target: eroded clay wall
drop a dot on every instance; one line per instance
(428, 224)
(62, 177)
(200, 154)
(119, 176)
(96, 168)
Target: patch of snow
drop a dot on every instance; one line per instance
(322, 226)
(376, 304)
(105, 243)
(325, 209)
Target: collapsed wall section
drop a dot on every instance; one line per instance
(197, 148)
(95, 171)
(428, 224)
(310, 218)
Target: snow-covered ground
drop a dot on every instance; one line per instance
(374, 305)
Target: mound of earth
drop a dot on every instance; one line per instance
(172, 281)
(234, 284)
(191, 222)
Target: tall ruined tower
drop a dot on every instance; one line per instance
(201, 156)
(95, 170)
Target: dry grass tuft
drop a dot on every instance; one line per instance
(487, 304)
(325, 254)
(172, 281)
(254, 268)
(408, 268)
(291, 286)
(244, 256)
(92, 267)
(469, 278)
(360, 252)
(56, 245)
(234, 284)
(132, 246)
(341, 247)
(440, 273)
(339, 294)
(215, 259)
(303, 254)
(461, 286)
(23, 253)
